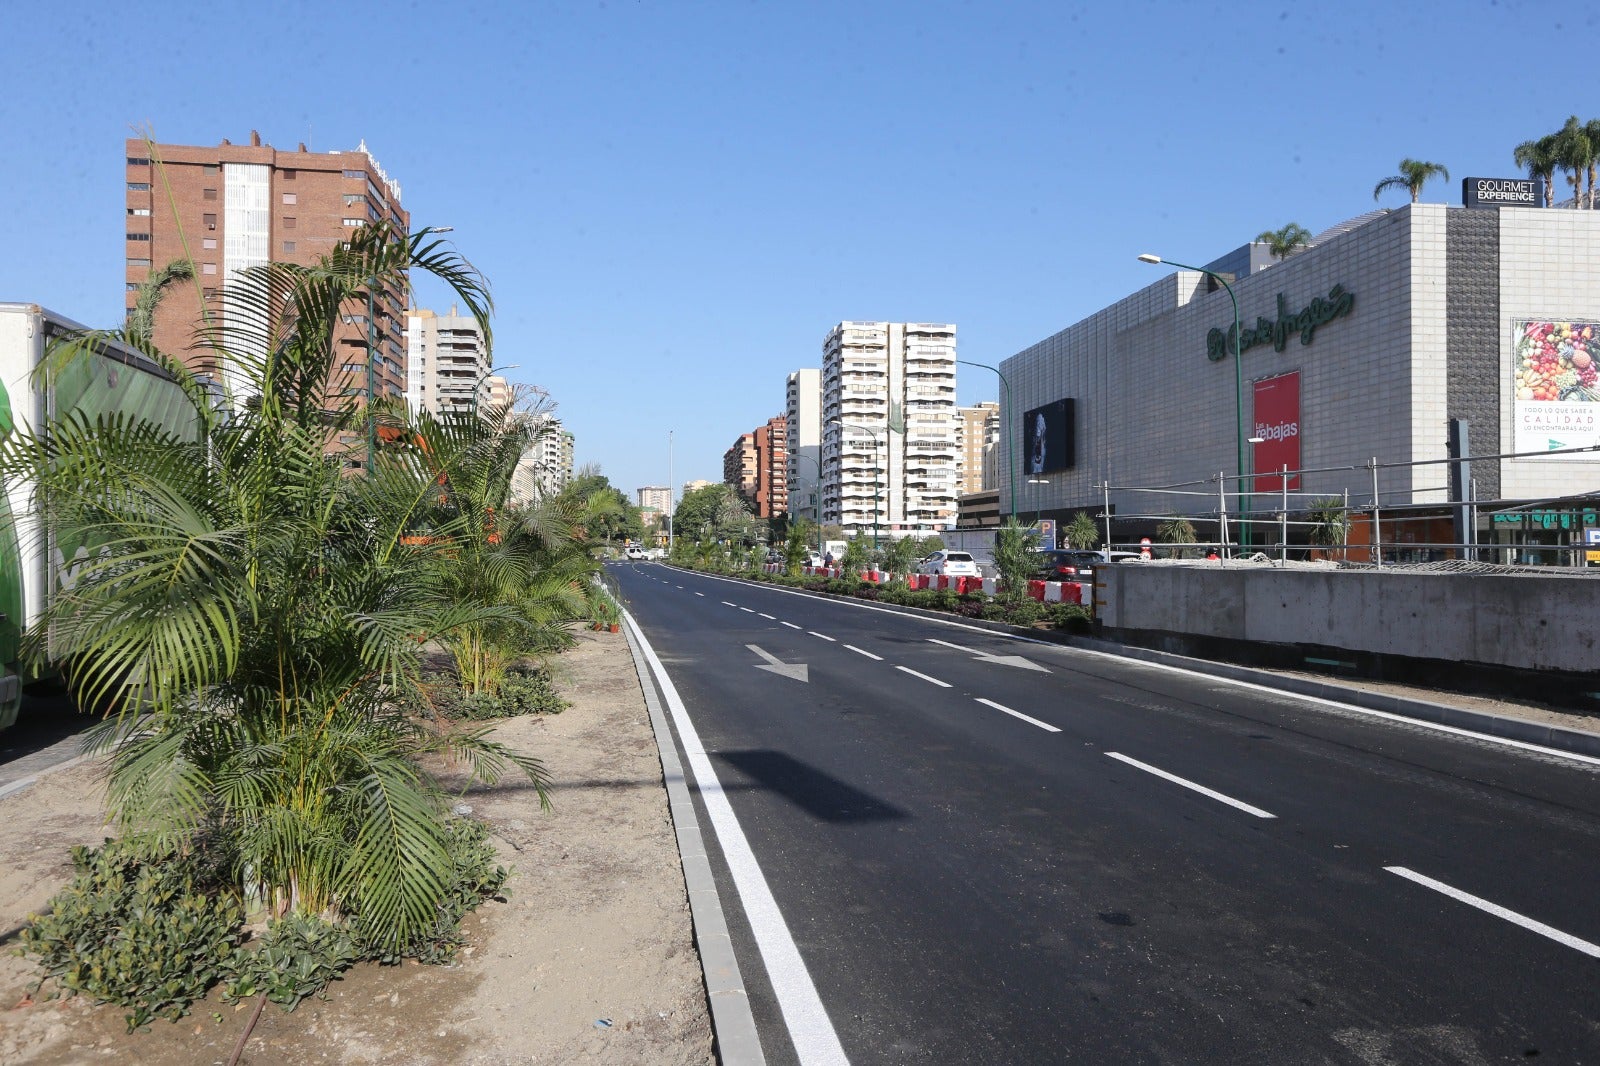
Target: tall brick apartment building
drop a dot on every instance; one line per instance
(756, 468)
(233, 206)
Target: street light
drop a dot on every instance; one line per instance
(1238, 385)
(816, 486)
(1006, 411)
(877, 464)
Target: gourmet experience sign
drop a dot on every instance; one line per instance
(1319, 312)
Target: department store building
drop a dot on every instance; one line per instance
(1358, 353)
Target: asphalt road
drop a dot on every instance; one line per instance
(1071, 857)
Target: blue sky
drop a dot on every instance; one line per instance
(674, 202)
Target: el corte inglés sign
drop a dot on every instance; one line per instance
(1318, 312)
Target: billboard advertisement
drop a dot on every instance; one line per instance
(1277, 423)
(1502, 192)
(1048, 435)
(1555, 397)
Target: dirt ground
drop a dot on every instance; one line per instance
(592, 959)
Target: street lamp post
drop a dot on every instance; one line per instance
(1037, 502)
(1238, 386)
(1005, 412)
(877, 464)
(816, 486)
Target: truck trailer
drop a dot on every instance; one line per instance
(105, 377)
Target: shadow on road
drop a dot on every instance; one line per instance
(819, 794)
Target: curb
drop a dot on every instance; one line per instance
(1557, 737)
(733, 1025)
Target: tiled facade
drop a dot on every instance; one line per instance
(1428, 338)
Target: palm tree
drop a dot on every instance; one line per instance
(1591, 129)
(1414, 174)
(1539, 158)
(1081, 532)
(1281, 243)
(1575, 153)
(142, 315)
(253, 611)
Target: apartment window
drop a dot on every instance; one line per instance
(210, 221)
(362, 174)
(208, 194)
(288, 222)
(208, 293)
(132, 286)
(353, 198)
(138, 210)
(288, 175)
(137, 161)
(355, 222)
(138, 236)
(138, 186)
(208, 243)
(209, 169)
(289, 199)
(138, 262)
(288, 246)
(208, 268)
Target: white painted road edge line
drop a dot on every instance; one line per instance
(1203, 790)
(925, 677)
(1350, 708)
(868, 654)
(1018, 714)
(824, 636)
(1498, 911)
(812, 1033)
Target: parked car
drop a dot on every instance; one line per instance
(636, 552)
(813, 559)
(949, 564)
(1065, 564)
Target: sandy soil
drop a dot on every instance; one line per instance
(591, 960)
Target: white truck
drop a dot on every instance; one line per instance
(112, 377)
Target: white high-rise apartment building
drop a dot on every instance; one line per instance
(446, 361)
(803, 413)
(546, 468)
(889, 427)
(658, 497)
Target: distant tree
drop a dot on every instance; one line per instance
(1540, 159)
(1081, 532)
(1178, 530)
(1575, 153)
(1414, 174)
(1282, 243)
(1013, 558)
(1592, 129)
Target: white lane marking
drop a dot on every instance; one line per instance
(746, 610)
(925, 677)
(1498, 911)
(1268, 690)
(1018, 714)
(768, 617)
(868, 654)
(680, 586)
(725, 603)
(791, 625)
(809, 1027)
(824, 636)
(1203, 790)
(699, 593)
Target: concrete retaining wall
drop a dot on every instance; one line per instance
(1525, 623)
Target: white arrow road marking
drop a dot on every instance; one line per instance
(774, 664)
(988, 657)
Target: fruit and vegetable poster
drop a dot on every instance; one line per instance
(1277, 425)
(1555, 395)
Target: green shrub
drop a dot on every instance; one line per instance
(1023, 612)
(300, 955)
(1073, 617)
(521, 691)
(136, 928)
(474, 877)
